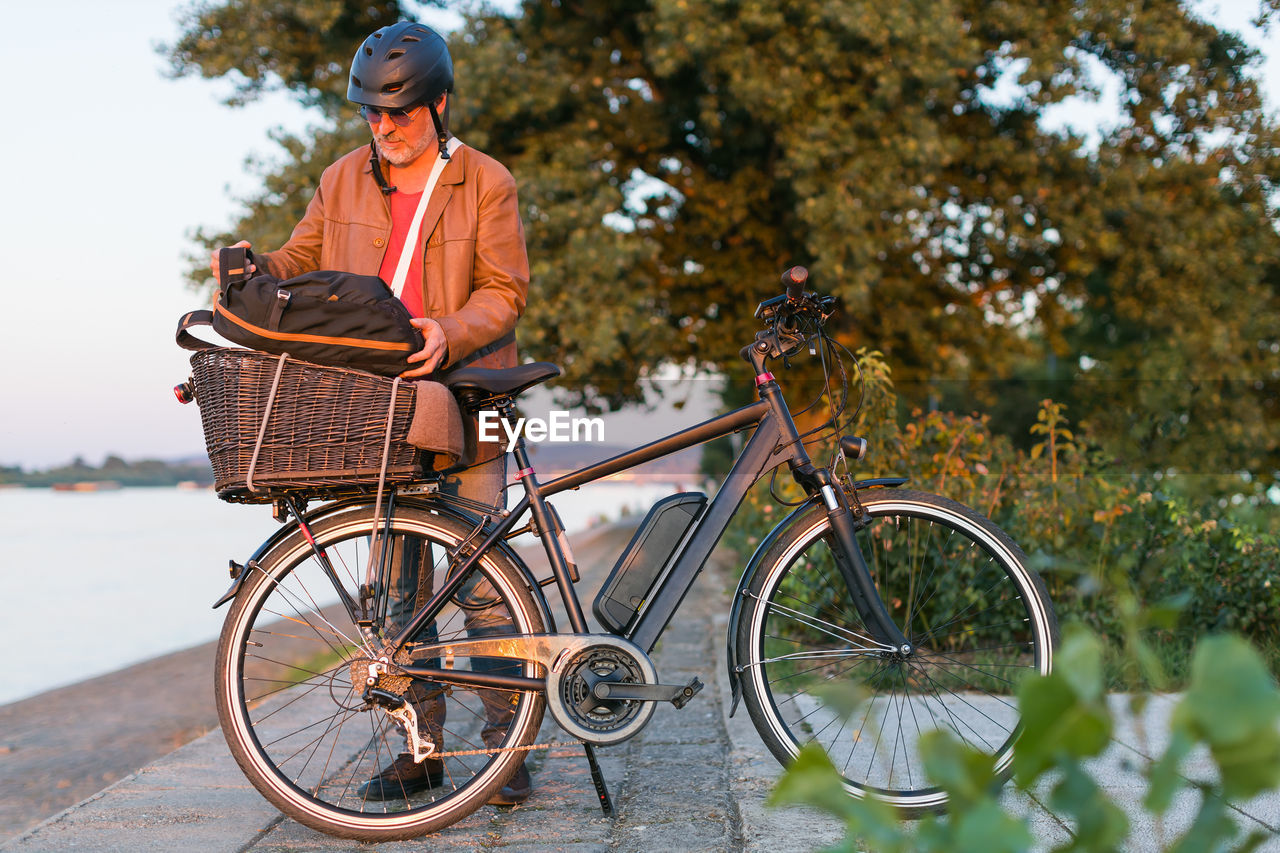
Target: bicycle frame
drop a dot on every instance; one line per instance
(774, 442)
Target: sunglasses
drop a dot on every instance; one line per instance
(400, 118)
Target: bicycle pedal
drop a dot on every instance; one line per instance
(690, 690)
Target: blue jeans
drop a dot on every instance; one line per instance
(410, 586)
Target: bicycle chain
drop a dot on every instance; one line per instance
(530, 747)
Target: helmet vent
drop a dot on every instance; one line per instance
(356, 80)
(411, 39)
(395, 54)
(368, 51)
(392, 88)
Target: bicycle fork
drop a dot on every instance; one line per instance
(820, 481)
(850, 562)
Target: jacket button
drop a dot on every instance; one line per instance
(378, 242)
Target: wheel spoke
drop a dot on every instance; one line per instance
(964, 598)
(289, 708)
(834, 631)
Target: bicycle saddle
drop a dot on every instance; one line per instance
(503, 382)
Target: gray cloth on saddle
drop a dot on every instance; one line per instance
(437, 424)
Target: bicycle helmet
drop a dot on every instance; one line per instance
(401, 66)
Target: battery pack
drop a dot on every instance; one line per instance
(629, 584)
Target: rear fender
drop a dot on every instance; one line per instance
(438, 507)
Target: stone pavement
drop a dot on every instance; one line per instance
(695, 779)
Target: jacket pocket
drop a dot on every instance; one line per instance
(353, 247)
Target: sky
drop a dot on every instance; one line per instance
(97, 206)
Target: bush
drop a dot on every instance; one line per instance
(1231, 706)
(1115, 548)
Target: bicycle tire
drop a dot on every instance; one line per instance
(298, 728)
(978, 618)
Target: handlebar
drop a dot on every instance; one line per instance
(791, 318)
(795, 302)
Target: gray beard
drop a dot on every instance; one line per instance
(404, 158)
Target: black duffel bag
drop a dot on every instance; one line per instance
(324, 317)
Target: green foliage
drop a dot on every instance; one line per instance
(1148, 569)
(673, 156)
(1231, 705)
(1058, 440)
(1065, 716)
(287, 187)
(305, 48)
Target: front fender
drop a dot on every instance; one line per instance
(753, 565)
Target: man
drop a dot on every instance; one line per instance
(465, 280)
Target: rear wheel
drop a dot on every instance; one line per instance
(977, 618)
(304, 735)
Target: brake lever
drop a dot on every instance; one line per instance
(768, 309)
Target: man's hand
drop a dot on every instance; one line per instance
(433, 352)
(213, 258)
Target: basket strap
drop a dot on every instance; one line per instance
(382, 479)
(266, 416)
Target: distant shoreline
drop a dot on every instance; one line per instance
(106, 486)
(195, 471)
(114, 472)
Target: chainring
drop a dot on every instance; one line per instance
(576, 709)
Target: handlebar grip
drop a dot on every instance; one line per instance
(794, 280)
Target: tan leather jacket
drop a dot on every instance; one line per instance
(476, 271)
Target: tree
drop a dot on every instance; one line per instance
(260, 45)
(674, 156)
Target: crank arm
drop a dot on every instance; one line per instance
(676, 694)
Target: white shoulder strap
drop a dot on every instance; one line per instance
(411, 239)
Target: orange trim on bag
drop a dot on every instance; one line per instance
(315, 339)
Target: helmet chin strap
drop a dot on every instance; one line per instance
(386, 188)
(441, 135)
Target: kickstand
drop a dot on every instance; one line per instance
(606, 804)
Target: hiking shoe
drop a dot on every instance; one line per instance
(514, 792)
(403, 777)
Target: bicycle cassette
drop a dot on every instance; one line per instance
(369, 673)
(574, 688)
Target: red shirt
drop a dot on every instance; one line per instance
(403, 206)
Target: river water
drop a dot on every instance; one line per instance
(96, 581)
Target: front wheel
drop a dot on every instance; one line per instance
(977, 618)
(305, 735)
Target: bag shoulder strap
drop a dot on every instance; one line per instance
(411, 239)
(185, 339)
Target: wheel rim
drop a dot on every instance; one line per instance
(968, 613)
(305, 729)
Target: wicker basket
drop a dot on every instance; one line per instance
(325, 431)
